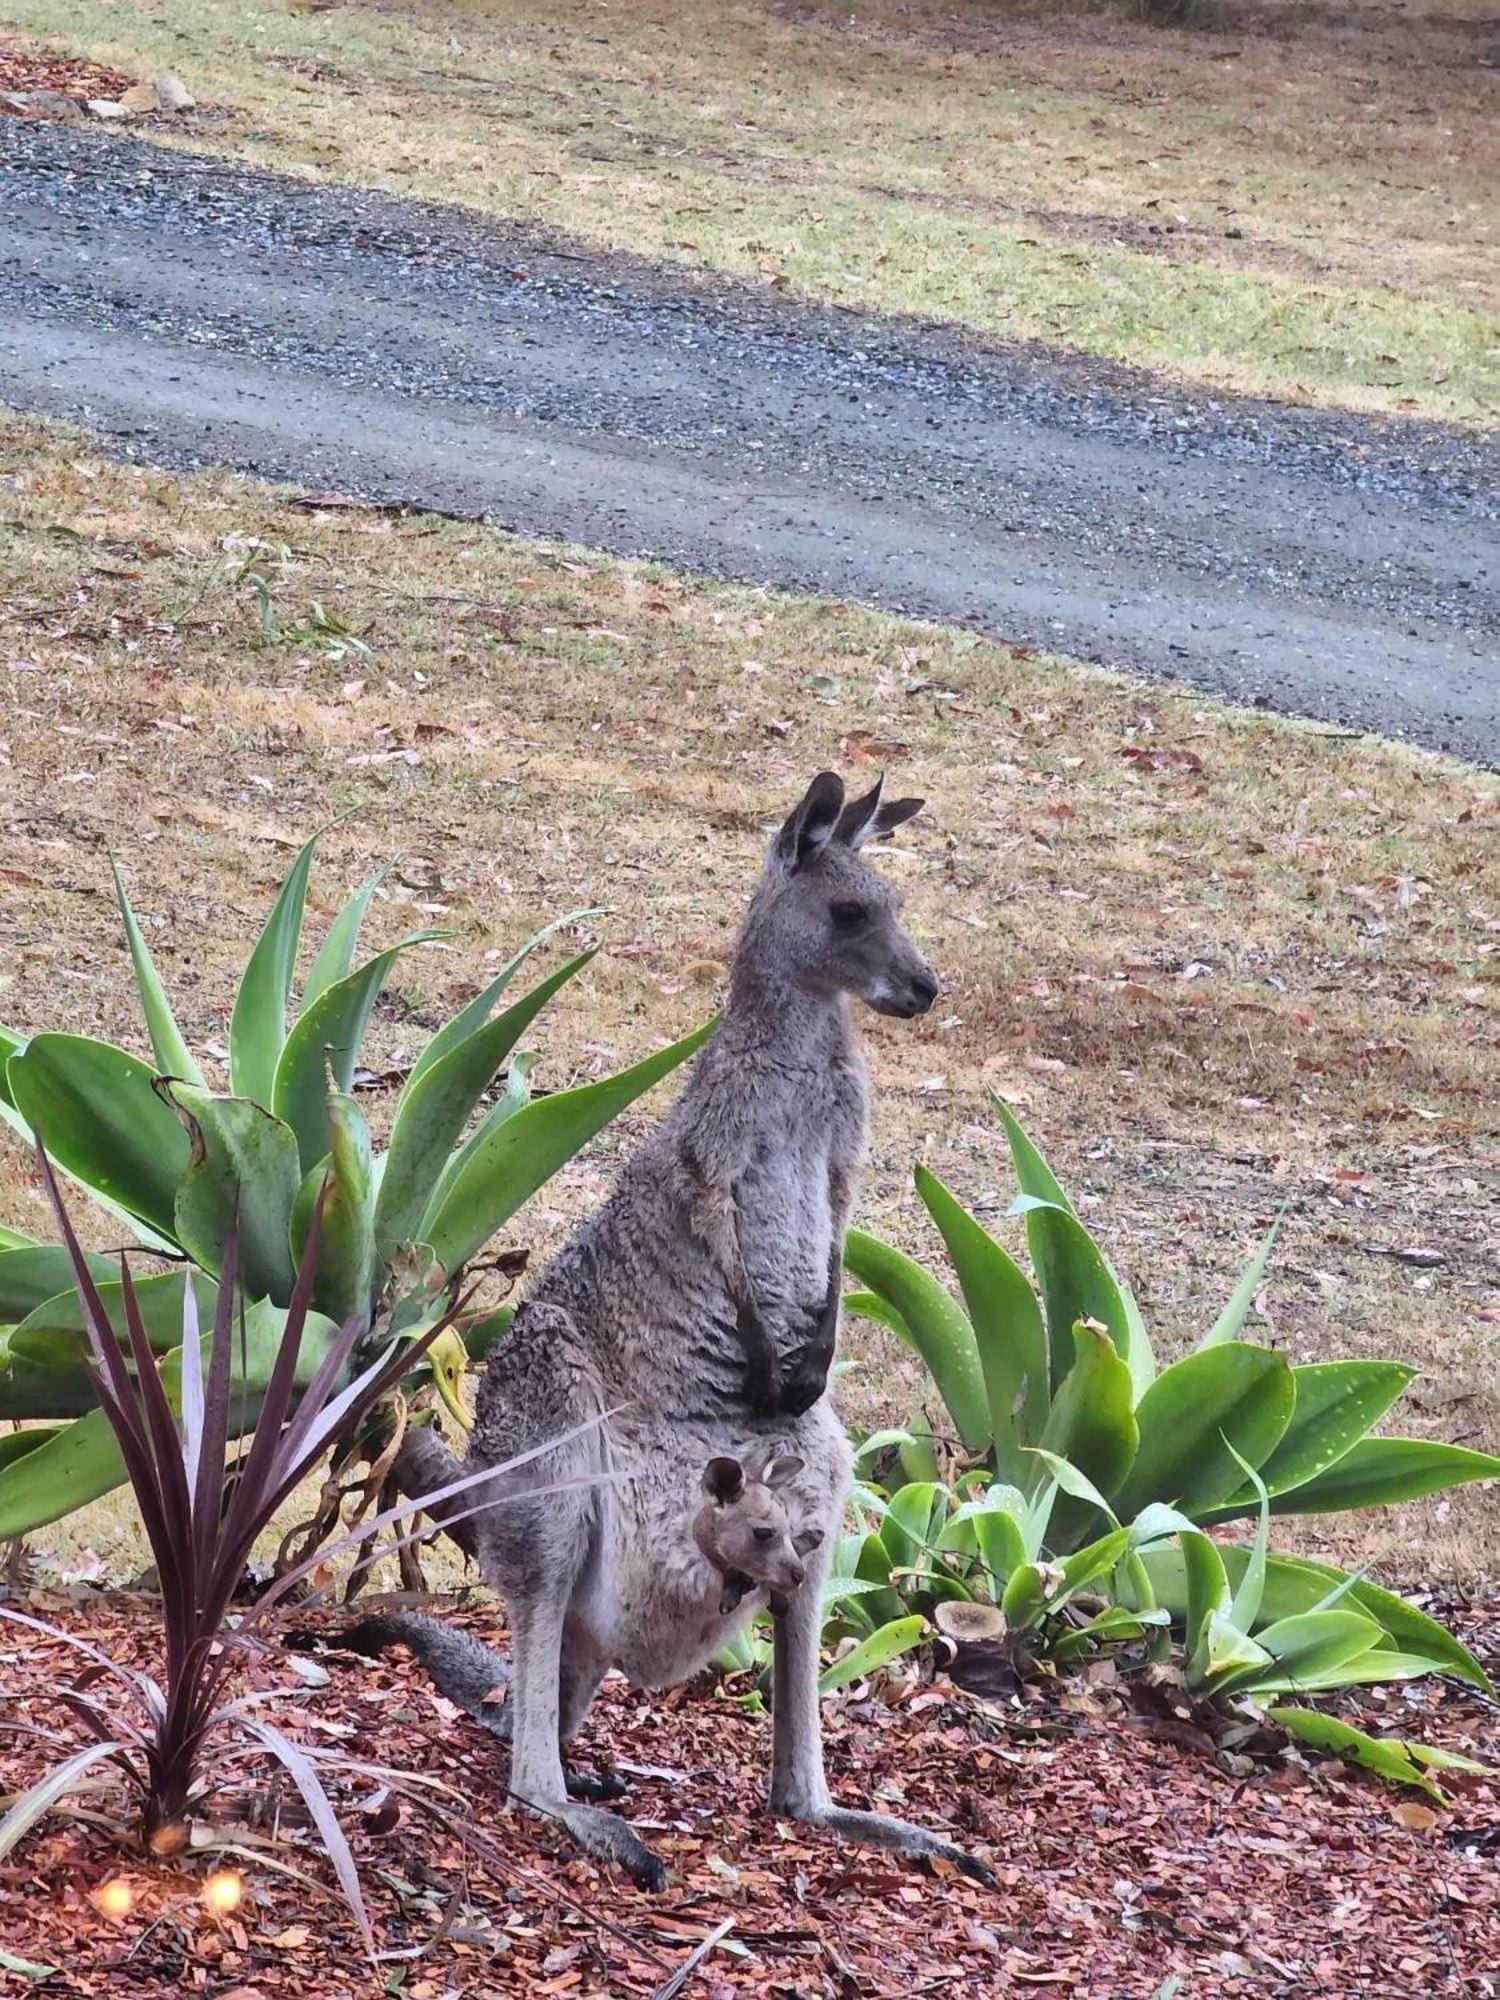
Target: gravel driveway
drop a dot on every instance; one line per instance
(198, 312)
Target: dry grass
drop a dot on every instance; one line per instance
(1295, 202)
(1217, 960)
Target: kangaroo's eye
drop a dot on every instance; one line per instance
(765, 1534)
(848, 916)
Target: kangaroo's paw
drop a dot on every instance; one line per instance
(802, 1386)
(593, 1786)
(606, 1837)
(872, 1829)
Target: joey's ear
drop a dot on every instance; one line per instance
(810, 828)
(724, 1480)
(807, 1541)
(780, 1470)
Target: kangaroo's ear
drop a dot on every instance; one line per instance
(858, 819)
(807, 1541)
(810, 828)
(780, 1470)
(897, 813)
(724, 1480)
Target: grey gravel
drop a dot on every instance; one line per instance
(196, 312)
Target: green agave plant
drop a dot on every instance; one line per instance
(170, 1158)
(1066, 1367)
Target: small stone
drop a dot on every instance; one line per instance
(107, 107)
(172, 94)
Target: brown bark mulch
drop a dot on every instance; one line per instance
(1130, 1852)
(36, 69)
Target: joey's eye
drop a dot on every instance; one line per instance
(765, 1534)
(847, 916)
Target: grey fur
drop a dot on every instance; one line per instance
(700, 1306)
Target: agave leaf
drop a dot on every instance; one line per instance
(938, 1327)
(528, 1148)
(1087, 1565)
(1377, 1472)
(1227, 1325)
(1207, 1593)
(1194, 1412)
(33, 1274)
(11, 1043)
(1141, 1355)
(1075, 1279)
(912, 1519)
(507, 1103)
(870, 1305)
(1092, 1424)
(243, 1160)
(336, 953)
(1074, 1483)
(901, 1635)
(1024, 1598)
(1296, 1584)
(1000, 1546)
(873, 1565)
(1033, 1175)
(46, 1378)
(436, 1106)
(159, 1299)
(1225, 1656)
(65, 1466)
(1245, 1608)
(1308, 1648)
(102, 1120)
(479, 1009)
(328, 1035)
(257, 1028)
(346, 1262)
(1389, 1757)
(1370, 1669)
(173, 1056)
(1007, 1326)
(1337, 1402)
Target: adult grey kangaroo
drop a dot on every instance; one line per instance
(698, 1308)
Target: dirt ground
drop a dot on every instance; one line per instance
(1217, 961)
(1288, 200)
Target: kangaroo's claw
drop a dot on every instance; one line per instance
(591, 1787)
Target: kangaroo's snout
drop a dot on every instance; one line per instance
(907, 993)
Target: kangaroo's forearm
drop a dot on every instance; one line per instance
(425, 1465)
(714, 1218)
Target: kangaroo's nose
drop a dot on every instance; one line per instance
(924, 988)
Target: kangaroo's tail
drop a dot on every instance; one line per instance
(464, 1669)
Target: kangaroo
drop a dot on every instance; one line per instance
(746, 1543)
(743, 1531)
(698, 1308)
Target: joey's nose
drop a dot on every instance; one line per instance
(796, 1573)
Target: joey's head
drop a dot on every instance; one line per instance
(822, 920)
(746, 1532)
